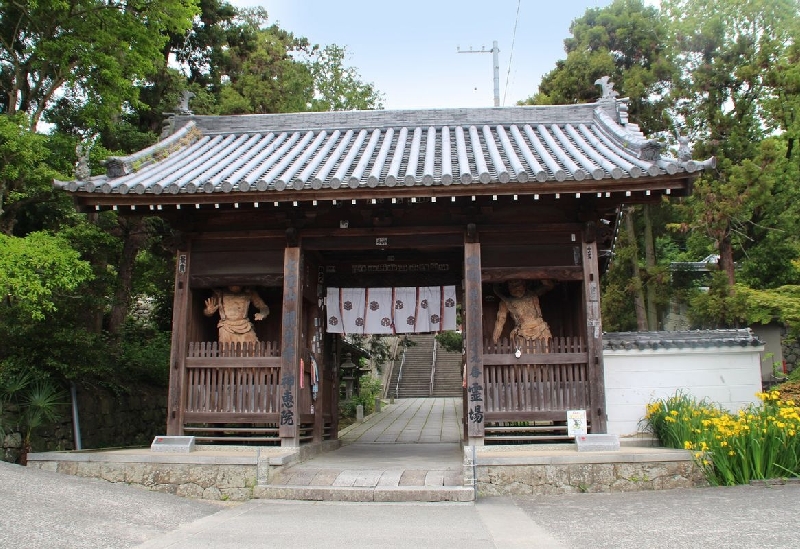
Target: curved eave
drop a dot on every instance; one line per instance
(524, 151)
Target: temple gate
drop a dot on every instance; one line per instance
(514, 208)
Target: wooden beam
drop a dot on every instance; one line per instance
(553, 415)
(535, 358)
(594, 337)
(233, 362)
(290, 341)
(176, 399)
(502, 274)
(231, 417)
(224, 280)
(473, 314)
(345, 240)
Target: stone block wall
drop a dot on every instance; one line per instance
(791, 353)
(107, 420)
(234, 482)
(573, 478)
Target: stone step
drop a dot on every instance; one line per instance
(311, 484)
(366, 494)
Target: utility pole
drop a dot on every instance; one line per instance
(496, 65)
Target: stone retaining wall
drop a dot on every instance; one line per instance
(498, 475)
(211, 472)
(201, 481)
(107, 420)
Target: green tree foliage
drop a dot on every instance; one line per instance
(626, 41)
(95, 48)
(26, 177)
(338, 87)
(34, 270)
(726, 97)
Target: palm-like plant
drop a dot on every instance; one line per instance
(26, 404)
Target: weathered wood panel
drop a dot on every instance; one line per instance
(536, 387)
(594, 337)
(180, 326)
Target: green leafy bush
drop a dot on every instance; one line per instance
(450, 341)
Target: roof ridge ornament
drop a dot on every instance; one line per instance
(684, 149)
(181, 109)
(183, 106)
(82, 150)
(607, 86)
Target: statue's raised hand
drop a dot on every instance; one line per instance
(212, 304)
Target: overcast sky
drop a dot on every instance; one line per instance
(408, 48)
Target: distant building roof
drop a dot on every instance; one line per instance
(306, 153)
(706, 265)
(620, 341)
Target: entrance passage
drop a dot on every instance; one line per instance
(410, 451)
(412, 420)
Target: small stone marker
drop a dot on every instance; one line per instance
(360, 413)
(377, 404)
(172, 444)
(597, 443)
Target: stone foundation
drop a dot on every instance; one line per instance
(201, 481)
(212, 472)
(498, 473)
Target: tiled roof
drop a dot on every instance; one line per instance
(374, 149)
(695, 339)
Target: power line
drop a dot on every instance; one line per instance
(511, 55)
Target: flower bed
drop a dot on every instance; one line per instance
(759, 442)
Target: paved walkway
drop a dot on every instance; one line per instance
(411, 420)
(411, 444)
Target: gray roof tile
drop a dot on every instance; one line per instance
(371, 149)
(691, 339)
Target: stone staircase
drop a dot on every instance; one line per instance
(416, 373)
(416, 379)
(447, 380)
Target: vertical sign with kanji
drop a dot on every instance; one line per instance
(290, 356)
(474, 342)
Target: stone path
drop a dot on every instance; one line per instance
(410, 451)
(411, 420)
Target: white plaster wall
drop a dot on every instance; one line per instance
(729, 376)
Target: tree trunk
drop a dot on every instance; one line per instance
(638, 295)
(134, 234)
(726, 263)
(650, 265)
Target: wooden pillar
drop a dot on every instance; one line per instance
(332, 378)
(594, 333)
(290, 341)
(473, 315)
(176, 399)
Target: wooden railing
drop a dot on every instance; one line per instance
(232, 383)
(546, 376)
